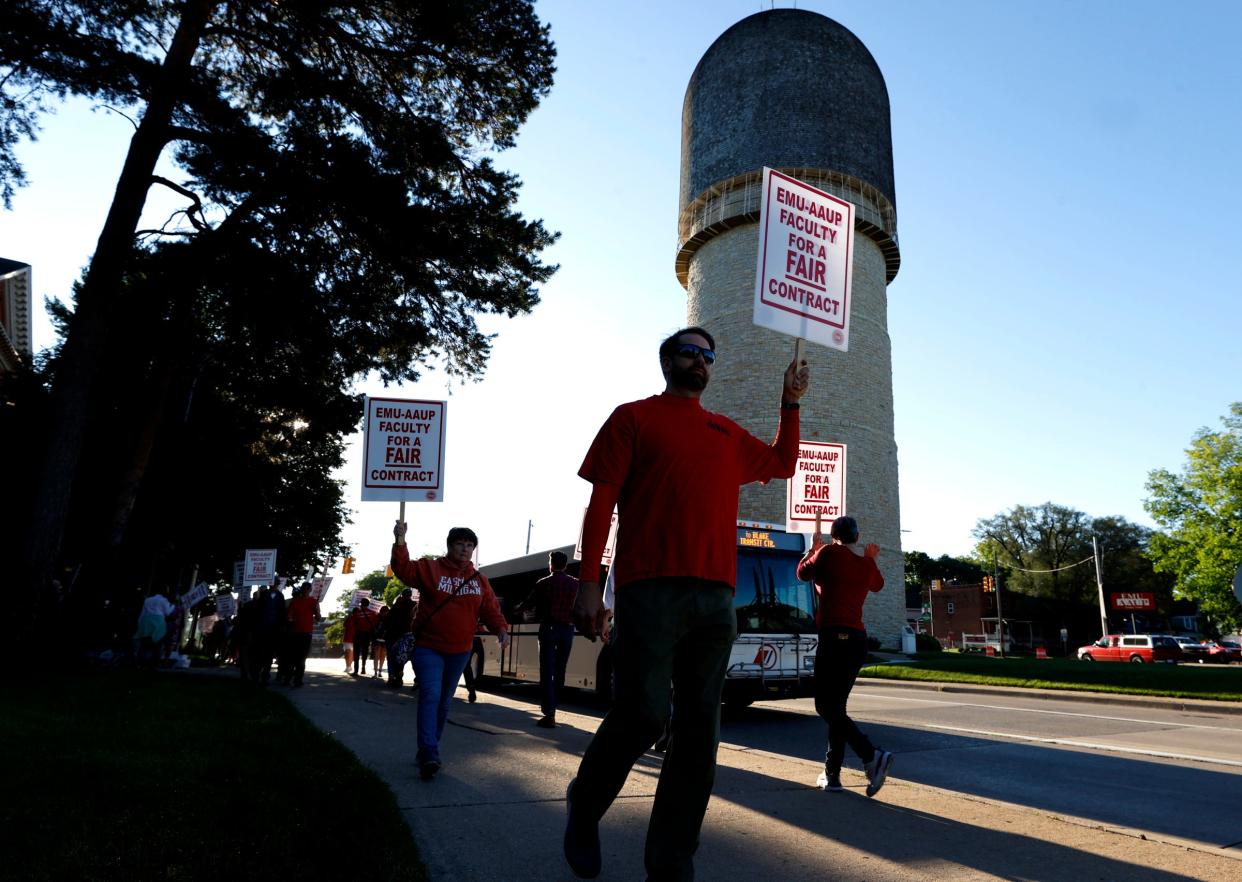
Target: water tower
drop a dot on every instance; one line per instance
(797, 92)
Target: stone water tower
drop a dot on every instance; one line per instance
(797, 92)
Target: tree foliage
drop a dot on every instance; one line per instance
(921, 569)
(341, 216)
(1046, 552)
(1200, 510)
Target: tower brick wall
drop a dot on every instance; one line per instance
(748, 106)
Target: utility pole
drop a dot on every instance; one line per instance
(1000, 616)
(1099, 584)
(529, 524)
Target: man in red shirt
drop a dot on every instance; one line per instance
(843, 580)
(303, 613)
(674, 469)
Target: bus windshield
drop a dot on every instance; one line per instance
(770, 598)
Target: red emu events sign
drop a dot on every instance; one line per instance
(403, 451)
(1133, 601)
(806, 253)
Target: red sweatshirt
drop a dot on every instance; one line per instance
(843, 580)
(451, 601)
(674, 469)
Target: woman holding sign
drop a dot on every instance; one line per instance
(453, 596)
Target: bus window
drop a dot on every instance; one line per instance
(770, 598)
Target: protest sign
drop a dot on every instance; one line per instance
(226, 607)
(403, 451)
(817, 487)
(260, 566)
(319, 587)
(806, 253)
(609, 545)
(195, 595)
(359, 596)
(239, 571)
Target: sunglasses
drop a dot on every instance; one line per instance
(690, 350)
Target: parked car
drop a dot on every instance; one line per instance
(1192, 649)
(1224, 651)
(1137, 648)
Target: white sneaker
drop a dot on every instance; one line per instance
(829, 782)
(877, 770)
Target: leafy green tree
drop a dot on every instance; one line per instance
(1200, 510)
(336, 148)
(1046, 552)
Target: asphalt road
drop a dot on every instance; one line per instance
(1171, 772)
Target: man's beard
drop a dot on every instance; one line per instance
(688, 378)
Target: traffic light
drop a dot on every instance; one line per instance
(988, 585)
(348, 566)
(388, 571)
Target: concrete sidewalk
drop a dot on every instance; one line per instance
(497, 809)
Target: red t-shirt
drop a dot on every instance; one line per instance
(674, 470)
(302, 612)
(451, 601)
(843, 580)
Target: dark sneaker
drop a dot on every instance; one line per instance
(877, 771)
(547, 722)
(581, 841)
(427, 771)
(661, 744)
(830, 781)
(472, 696)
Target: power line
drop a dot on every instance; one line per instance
(1058, 569)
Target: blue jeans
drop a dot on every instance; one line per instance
(437, 674)
(672, 635)
(555, 642)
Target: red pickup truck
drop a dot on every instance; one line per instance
(1132, 648)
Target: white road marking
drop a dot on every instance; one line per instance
(1056, 713)
(1069, 742)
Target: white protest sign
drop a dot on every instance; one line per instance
(806, 254)
(358, 597)
(403, 451)
(816, 488)
(195, 594)
(226, 607)
(260, 566)
(319, 587)
(609, 546)
(239, 569)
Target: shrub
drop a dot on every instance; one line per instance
(926, 643)
(873, 644)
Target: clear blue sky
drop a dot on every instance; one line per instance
(1066, 315)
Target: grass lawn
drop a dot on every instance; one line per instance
(1214, 682)
(128, 775)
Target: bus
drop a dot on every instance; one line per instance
(773, 656)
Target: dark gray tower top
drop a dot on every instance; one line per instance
(786, 88)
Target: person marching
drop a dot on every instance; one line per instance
(843, 579)
(553, 598)
(363, 619)
(453, 596)
(675, 469)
